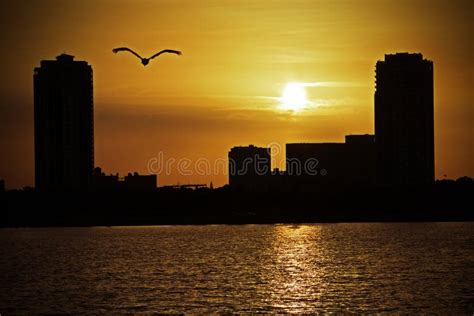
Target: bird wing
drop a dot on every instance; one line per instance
(120, 49)
(177, 52)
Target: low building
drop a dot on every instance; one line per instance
(137, 182)
(104, 182)
(249, 168)
(131, 182)
(315, 166)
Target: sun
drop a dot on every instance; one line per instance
(293, 97)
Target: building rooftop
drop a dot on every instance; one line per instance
(403, 58)
(65, 58)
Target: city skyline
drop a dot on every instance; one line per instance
(236, 157)
(170, 108)
(400, 153)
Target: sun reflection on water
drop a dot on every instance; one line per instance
(296, 253)
(245, 269)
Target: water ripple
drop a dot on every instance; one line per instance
(405, 268)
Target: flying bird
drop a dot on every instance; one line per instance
(145, 61)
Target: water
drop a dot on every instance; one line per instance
(423, 267)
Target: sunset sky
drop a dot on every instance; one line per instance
(225, 90)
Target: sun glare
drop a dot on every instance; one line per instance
(293, 97)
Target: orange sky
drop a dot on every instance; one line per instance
(223, 91)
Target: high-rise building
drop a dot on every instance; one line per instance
(404, 130)
(249, 168)
(64, 127)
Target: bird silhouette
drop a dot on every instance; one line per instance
(145, 61)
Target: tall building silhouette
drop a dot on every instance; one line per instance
(404, 120)
(249, 167)
(64, 128)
